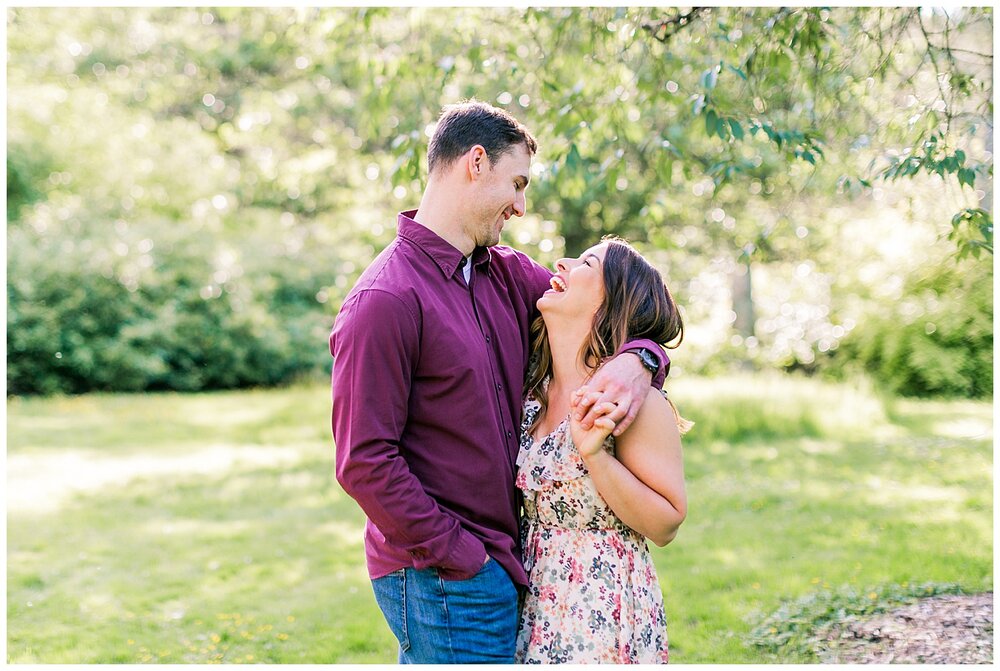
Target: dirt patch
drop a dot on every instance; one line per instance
(936, 630)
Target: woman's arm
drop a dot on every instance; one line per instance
(644, 486)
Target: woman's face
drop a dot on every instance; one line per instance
(578, 285)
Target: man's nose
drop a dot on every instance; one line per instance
(520, 204)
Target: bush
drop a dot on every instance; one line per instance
(95, 322)
(937, 340)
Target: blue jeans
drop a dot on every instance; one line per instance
(440, 621)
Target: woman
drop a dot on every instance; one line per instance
(591, 500)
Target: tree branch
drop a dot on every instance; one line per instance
(667, 28)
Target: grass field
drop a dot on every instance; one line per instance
(209, 528)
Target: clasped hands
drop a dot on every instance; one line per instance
(607, 404)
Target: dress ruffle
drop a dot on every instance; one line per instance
(554, 459)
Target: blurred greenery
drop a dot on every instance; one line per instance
(927, 343)
(192, 191)
(207, 527)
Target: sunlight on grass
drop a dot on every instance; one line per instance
(230, 541)
(191, 528)
(964, 428)
(344, 535)
(769, 405)
(45, 482)
(101, 606)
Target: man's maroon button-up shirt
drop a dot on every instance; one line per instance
(427, 380)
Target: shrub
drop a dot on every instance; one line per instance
(92, 321)
(937, 340)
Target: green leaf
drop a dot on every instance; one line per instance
(708, 79)
(774, 135)
(736, 129)
(573, 159)
(967, 176)
(742, 75)
(699, 105)
(710, 120)
(722, 128)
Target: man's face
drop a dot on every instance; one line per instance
(499, 195)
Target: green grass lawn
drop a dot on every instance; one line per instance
(209, 528)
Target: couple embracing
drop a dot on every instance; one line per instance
(502, 427)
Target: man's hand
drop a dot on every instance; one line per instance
(617, 391)
(588, 441)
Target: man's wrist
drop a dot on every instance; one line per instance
(663, 361)
(648, 360)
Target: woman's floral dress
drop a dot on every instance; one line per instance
(592, 593)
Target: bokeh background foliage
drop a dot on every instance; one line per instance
(192, 192)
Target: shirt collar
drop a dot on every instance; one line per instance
(447, 257)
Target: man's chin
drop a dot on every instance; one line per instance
(489, 240)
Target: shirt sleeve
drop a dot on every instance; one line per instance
(536, 279)
(661, 373)
(375, 346)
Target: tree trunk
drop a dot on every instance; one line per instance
(576, 235)
(743, 301)
(986, 183)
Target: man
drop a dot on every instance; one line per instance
(430, 350)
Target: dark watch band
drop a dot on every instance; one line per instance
(648, 359)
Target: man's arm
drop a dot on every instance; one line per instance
(536, 280)
(620, 386)
(375, 345)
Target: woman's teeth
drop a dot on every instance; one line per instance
(558, 284)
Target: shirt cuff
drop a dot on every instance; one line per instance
(466, 555)
(661, 375)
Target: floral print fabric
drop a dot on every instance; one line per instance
(593, 595)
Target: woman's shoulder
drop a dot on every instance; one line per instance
(657, 399)
(655, 417)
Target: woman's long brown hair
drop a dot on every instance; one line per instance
(637, 305)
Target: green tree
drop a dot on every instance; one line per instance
(219, 177)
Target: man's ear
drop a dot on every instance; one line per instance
(476, 162)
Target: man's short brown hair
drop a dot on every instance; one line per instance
(465, 124)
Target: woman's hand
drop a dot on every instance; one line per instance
(589, 442)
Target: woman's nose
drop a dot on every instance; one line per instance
(561, 265)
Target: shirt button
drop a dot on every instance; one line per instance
(510, 435)
(487, 338)
(498, 386)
